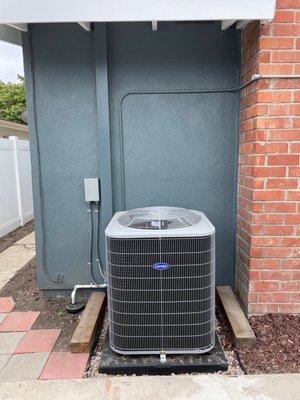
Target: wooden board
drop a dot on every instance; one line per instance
(84, 334)
(242, 331)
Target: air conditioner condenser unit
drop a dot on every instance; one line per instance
(161, 281)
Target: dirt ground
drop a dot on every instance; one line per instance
(22, 287)
(11, 238)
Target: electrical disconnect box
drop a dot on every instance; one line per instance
(91, 189)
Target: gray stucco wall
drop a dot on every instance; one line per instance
(64, 115)
(62, 104)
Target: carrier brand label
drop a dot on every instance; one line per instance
(161, 266)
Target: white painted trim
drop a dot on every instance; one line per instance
(85, 25)
(34, 11)
(19, 27)
(227, 24)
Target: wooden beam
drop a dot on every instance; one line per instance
(84, 334)
(241, 329)
(227, 23)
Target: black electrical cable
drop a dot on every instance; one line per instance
(59, 277)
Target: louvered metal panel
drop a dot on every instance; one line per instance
(171, 310)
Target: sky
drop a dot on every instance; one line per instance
(11, 62)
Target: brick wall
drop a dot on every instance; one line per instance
(268, 217)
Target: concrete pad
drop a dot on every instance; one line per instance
(4, 360)
(78, 389)
(179, 387)
(24, 367)
(38, 341)
(65, 365)
(9, 341)
(16, 257)
(6, 304)
(19, 321)
(2, 316)
(208, 387)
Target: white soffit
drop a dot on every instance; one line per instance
(16, 14)
(33, 11)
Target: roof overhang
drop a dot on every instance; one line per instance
(16, 14)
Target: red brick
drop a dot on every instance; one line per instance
(292, 219)
(264, 286)
(270, 275)
(286, 56)
(295, 109)
(255, 252)
(279, 109)
(280, 207)
(283, 160)
(296, 96)
(262, 172)
(277, 252)
(287, 4)
(275, 69)
(293, 195)
(265, 148)
(268, 195)
(290, 264)
(276, 43)
(284, 16)
(274, 97)
(254, 275)
(272, 308)
(295, 122)
(267, 218)
(290, 286)
(280, 297)
(273, 230)
(281, 183)
(295, 147)
(287, 134)
(295, 297)
(263, 263)
(271, 123)
(285, 84)
(289, 308)
(294, 171)
(291, 241)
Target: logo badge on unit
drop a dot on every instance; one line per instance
(161, 266)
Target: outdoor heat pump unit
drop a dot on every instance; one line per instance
(161, 281)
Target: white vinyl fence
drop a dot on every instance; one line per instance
(16, 206)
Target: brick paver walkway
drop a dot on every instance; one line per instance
(27, 354)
